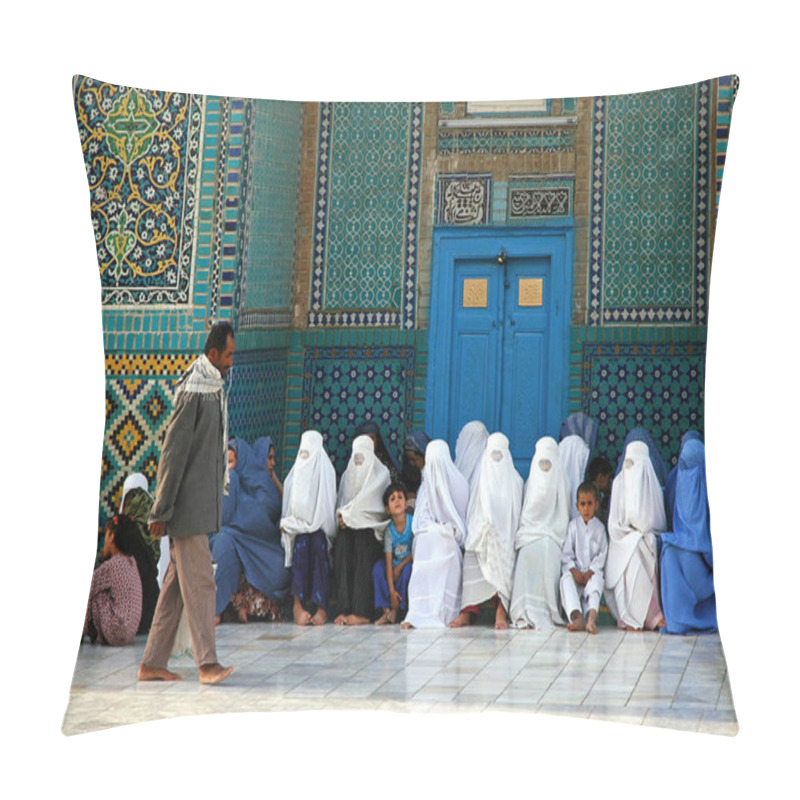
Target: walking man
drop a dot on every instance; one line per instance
(188, 507)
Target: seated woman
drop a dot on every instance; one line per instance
(115, 598)
(687, 564)
(136, 503)
(492, 518)
(362, 520)
(439, 528)
(669, 489)
(635, 518)
(639, 434)
(308, 527)
(539, 540)
(470, 445)
(413, 463)
(250, 569)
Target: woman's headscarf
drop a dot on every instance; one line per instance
(574, 456)
(470, 445)
(360, 497)
(547, 499)
(258, 506)
(669, 489)
(136, 480)
(443, 496)
(580, 425)
(640, 434)
(416, 441)
(637, 507)
(385, 456)
(309, 494)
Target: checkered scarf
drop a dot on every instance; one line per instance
(204, 378)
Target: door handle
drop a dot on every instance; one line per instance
(494, 323)
(513, 322)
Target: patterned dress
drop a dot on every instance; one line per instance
(115, 602)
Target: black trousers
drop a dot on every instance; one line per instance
(354, 554)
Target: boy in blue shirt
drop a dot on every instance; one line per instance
(391, 575)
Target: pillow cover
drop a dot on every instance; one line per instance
(376, 259)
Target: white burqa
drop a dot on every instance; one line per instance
(309, 495)
(494, 507)
(470, 445)
(440, 529)
(539, 540)
(573, 453)
(360, 498)
(635, 517)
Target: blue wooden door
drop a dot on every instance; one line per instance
(499, 336)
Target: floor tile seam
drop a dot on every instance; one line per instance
(684, 672)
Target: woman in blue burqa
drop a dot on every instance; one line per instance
(687, 565)
(250, 570)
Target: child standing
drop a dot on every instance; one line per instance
(583, 557)
(391, 578)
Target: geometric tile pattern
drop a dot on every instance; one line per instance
(657, 386)
(366, 215)
(141, 150)
(725, 97)
(463, 198)
(532, 197)
(345, 386)
(257, 396)
(649, 251)
(504, 141)
(269, 211)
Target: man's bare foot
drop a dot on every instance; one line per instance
(463, 620)
(340, 620)
(214, 673)
(320, 618)
(301, 616)
(354, 619)
(153, 674)
(576, 622)
(384, 618)
(591, 625)
(406, 626)
(500, 618)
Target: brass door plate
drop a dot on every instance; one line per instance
(476, 293)
(531, 291)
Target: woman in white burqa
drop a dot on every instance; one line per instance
(470, 445)
(494, 507)
(440, 529)
(362, 520)
(573, 454)
(635, 517)
(308, 528)
(535, 598)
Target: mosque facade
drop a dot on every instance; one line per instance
(418, 264)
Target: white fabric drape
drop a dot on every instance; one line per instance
(574, 455)
(539, 540)
(470, 445)
(636, 515)
(493, 516)
(309, 494)
(439, 527)
(360, 498)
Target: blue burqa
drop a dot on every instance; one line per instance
(687, 569)
(250, 539)
(578, 424)
(669, 489)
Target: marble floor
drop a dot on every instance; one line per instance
(638, 678)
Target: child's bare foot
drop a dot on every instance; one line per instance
(462, 620)
(406, 626)
(591, 625)
(153, 674)
(301, 616)
(631, 629)
(355, 619)
(214, 673)
(320, 617)
(384, 618)
(500, 618)
(576, 622)
(340, 619)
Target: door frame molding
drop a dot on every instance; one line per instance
(482, 242)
